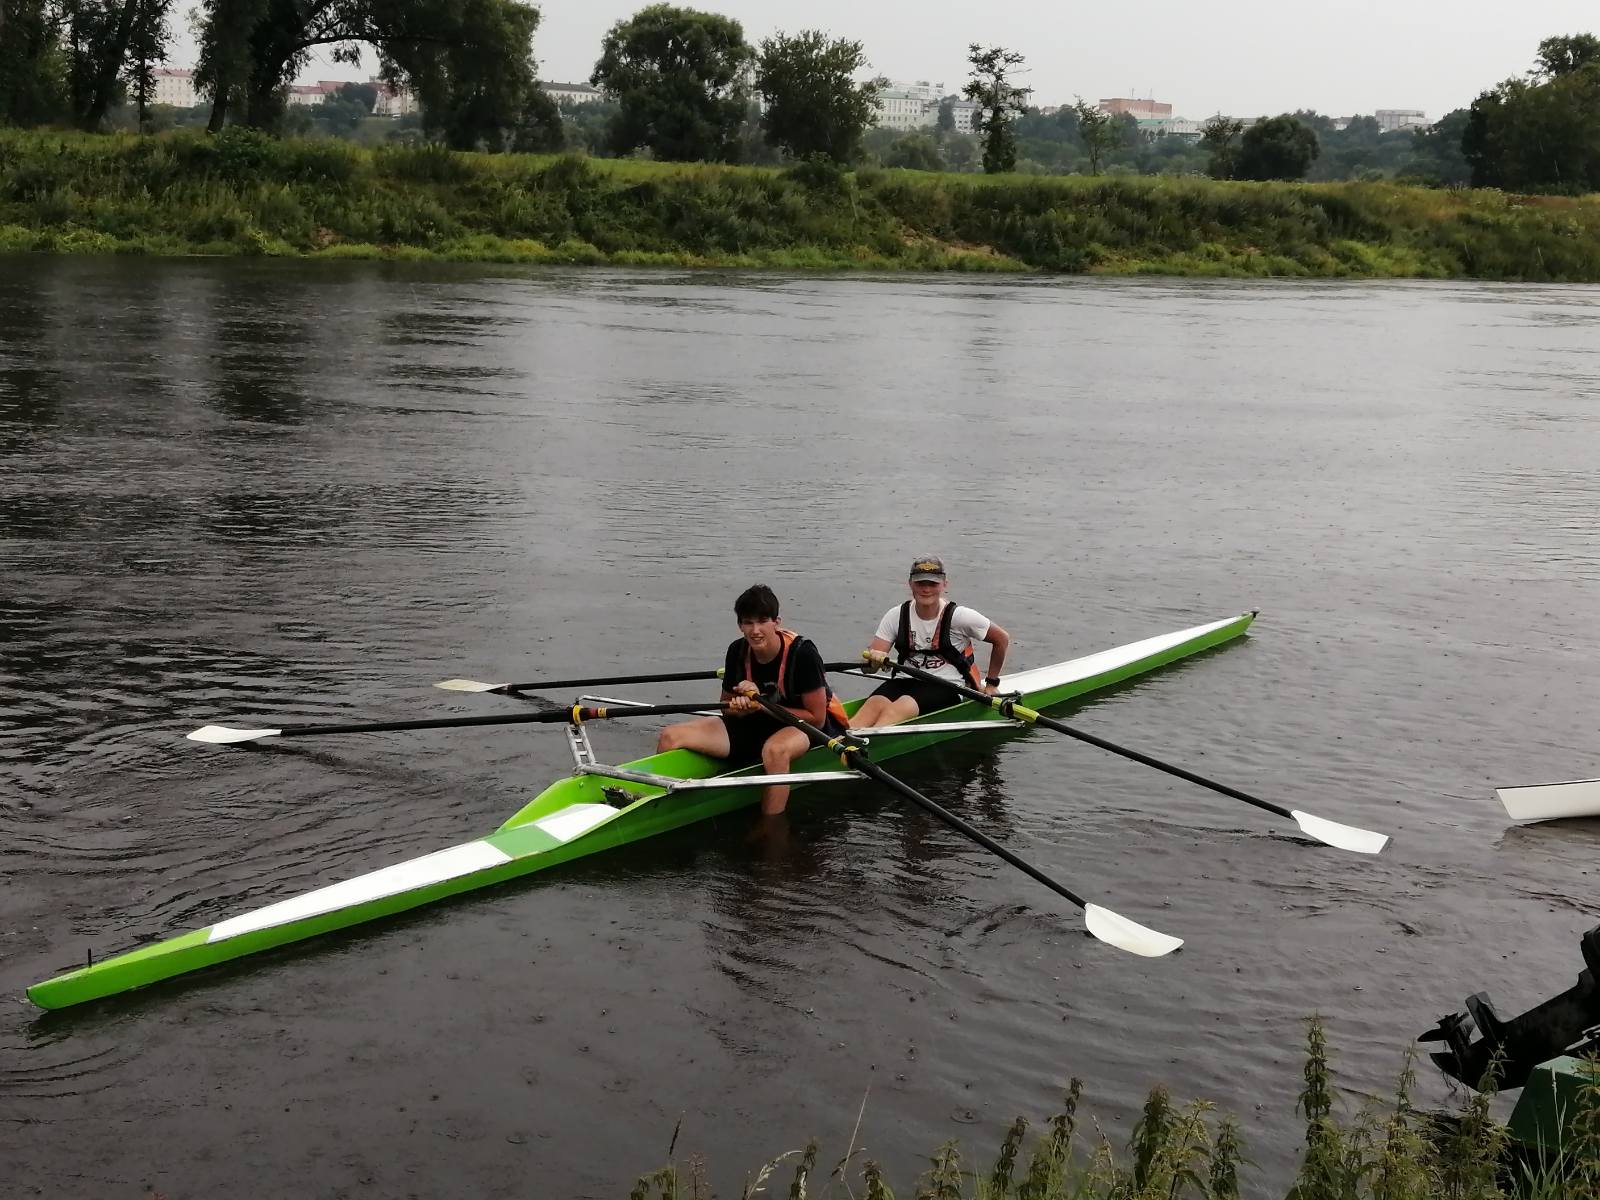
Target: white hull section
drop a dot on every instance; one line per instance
(1552, 801)
(1091, 665)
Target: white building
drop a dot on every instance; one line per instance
(1182, 127)
(392, 102)
(963, 111)
(1392, 119)
(309, 94)
(572, 93)
(899, 109)
(175, 87)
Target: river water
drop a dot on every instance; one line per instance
(299, 493)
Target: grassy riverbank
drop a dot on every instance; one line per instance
(1383, 1152)
(242, 193)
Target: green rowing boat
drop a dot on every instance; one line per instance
(596, 808)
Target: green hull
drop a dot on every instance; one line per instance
(574, 818)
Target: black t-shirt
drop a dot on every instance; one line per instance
(805, 669)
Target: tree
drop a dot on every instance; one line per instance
(916, 152)
(1436, 151)
(540, 129)
(469, 62)
(682, 80)
(814, 106)
(146, 47)
(343, 112)
(1559, 56)
(1277, 148)
(33, 64)
(1100, 131)
(1537, 137)
(999, 102)
(946, 122)
(1219, 137)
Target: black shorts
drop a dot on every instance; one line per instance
(747, 736)
(930, 697)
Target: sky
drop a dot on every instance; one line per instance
(1237, 57)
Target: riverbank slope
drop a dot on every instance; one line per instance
(244, 193)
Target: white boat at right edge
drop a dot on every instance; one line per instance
(1552, 801)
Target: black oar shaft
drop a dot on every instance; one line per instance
(552, 684)
(1007, 706)
(855, 756)
(549, 685)
(1169, 768)
(556, 716)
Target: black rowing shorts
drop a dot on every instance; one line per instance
(930, 697)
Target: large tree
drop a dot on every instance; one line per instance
(469, 62)
(1436, 150)
(1559, 56)
(1101, 132)
(147, 46)
(681, 78)
(1277, 148)
(33, 63)
(1219, 138)
(814, 106)
(999, 101)
(1541, 134)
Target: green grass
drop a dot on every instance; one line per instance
(1386, 1151)
(244, 193)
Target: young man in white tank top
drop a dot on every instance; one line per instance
(904, 698)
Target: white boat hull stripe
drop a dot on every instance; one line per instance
(574, 820)
(1091, 665)
(389, 881)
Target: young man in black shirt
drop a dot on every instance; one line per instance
(746, 733)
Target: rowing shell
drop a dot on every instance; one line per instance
(1552, 801)
(595, 809)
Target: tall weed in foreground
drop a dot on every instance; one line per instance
(1181, 1152)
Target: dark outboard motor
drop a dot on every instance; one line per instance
(1565, 1023)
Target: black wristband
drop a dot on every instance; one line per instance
(992, 680)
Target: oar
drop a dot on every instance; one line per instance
(550, 685)
(1343, 837)
(223, 734)
(1104, 924)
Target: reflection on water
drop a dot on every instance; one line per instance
(266, 491)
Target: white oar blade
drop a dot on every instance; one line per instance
(467, 685)
(1343, 837)
(222, 735)
(1127, 935)
(1551, 801)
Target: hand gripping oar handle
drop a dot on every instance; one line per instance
(575, 715)
(1345, 837)
(1102, 922)
(550, 685)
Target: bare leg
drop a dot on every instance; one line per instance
(705, 734)
(780, 751)
(879, 710)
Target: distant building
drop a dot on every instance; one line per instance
(572, 93)
(1392, 119)
(909, 105)
(964, 111)
(1179, 127)
(392, 102)
(1144, 109)
(175, 87)
(307, 94)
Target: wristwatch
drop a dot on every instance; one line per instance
(992, 680)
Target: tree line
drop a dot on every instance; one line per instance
(683, 84)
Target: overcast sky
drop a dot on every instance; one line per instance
(1238, 57)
